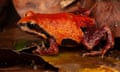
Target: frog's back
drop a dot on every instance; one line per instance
(61, 26)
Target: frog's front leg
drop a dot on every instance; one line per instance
(51, 50)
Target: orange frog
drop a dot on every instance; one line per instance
(66, 29)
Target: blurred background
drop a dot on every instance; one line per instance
(8, 15)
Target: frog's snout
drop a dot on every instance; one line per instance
(21, 24)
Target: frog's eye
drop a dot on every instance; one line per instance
(29, 13)
(29, 25)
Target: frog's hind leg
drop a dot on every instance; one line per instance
(51, 50)
(91, 40)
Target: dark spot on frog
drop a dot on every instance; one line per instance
(69, 42)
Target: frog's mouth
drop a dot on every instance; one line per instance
(34, 29)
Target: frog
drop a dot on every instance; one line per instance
(66, 29)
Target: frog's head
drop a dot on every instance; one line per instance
(28, 23)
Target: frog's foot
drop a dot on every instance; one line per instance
(51, 50)
(93, 53)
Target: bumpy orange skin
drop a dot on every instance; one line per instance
(60, 25)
